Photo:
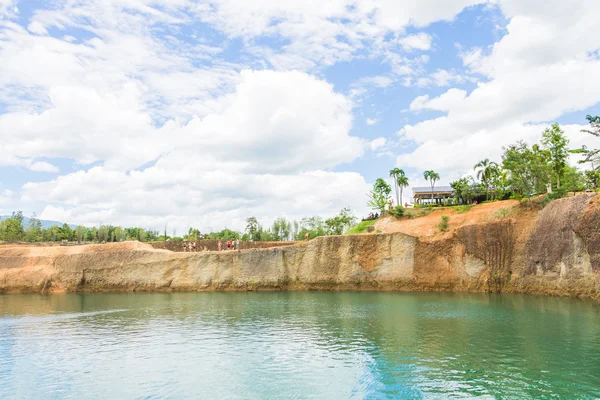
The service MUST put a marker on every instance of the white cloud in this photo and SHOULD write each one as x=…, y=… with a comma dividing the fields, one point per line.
x=442, y=103
x=377, y=143
x=544, y=67
x=420, y=41
x=323, y=33
x=371, y=121
x=263, y=154
x=42, y=166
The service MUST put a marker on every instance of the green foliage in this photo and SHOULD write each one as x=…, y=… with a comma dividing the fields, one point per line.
x=341, y=222
x=361, y=227
x=444, y=223
x=557, y=194
x=33, y=232
x=379, y=195
x=502, y=213
x=518, y=159
x=11, y=229
x=462, y=209
x=433, y=177
x=397, y=211
x=486, y=172
x=590, y=155
x=465, y=190
x=80, y=233
x=402, y=182
x=591, y=179
x=396, y=173
x=556, y=144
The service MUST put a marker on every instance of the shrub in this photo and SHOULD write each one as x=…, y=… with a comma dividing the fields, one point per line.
x=557, y=194
x=502, y=213
x=397, y=211
x=463, y=209
x=443, y=225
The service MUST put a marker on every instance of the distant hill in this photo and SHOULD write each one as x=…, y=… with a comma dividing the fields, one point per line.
x=45, y=223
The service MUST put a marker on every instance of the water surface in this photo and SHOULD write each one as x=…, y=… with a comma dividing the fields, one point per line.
x=298, y=345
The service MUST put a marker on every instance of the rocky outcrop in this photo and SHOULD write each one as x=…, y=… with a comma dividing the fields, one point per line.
x=557, y=251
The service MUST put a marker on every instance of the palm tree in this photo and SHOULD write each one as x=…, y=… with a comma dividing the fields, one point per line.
x=396, y=173
x=433, y=177
x=486, y=170
x=402, y=181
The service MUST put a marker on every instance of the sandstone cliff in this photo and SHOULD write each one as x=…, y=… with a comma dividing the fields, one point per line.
x=553, y=251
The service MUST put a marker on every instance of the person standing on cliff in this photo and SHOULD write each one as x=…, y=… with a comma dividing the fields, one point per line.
x=237, y=244
x=220, y=245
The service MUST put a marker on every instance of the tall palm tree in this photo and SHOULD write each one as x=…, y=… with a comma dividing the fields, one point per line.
x=433, y=177
x=402, y=181
x=396, y=173
x=486, y=170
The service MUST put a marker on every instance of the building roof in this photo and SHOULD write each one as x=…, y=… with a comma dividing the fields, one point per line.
x=436, y=189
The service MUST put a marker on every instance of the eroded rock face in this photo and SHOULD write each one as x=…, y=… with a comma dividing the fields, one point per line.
x=557, y=252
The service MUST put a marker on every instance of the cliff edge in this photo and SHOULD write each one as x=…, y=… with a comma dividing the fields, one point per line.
x=553, y=251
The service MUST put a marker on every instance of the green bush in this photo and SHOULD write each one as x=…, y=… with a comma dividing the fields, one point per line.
x=397, y=211
x=443, y=225
x=463, y=209
x=557, y=194
x=503, y=213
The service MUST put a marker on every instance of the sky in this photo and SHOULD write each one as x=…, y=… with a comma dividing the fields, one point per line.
x=205, y=112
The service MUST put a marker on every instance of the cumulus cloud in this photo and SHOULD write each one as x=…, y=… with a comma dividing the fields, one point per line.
x=535, y=74
x=377, y=143
x=264, y=154
x=42, y=166
x=420, y=41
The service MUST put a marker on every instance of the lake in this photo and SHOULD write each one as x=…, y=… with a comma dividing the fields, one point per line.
x=299, y=345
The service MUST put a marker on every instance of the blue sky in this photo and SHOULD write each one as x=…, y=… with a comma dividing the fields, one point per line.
x=204, y=112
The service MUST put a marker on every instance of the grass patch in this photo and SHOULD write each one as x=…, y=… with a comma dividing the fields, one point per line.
x=463, y=209
x=443, y=225
x=503, y=213
x=417, y=212
x=361, y=227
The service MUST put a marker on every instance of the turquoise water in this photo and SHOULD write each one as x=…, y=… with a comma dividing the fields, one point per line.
x=298, y=345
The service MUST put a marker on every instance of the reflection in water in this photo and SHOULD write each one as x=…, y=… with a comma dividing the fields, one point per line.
x=298, y=345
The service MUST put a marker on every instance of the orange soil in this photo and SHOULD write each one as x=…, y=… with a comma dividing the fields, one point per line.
x=427, y=226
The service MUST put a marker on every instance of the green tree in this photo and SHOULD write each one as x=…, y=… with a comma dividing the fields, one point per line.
x=395, y=174
x=65, y=233
x=281, y=229
x=518, y=159
x=33, y=232
x=340, y=223
x=80, y=233
x=590, y=156
x=253, y=228
x=402, y=182
x=103, y=234
x=573, y=179
x=433, y=177
x=379, y=195
x=193, y=234
x=11, y=228
x=486, y=171
x=592, y=177
x=556, y=144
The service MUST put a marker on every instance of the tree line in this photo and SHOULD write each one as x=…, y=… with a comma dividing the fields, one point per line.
x=13, y=229
x=523, y=171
